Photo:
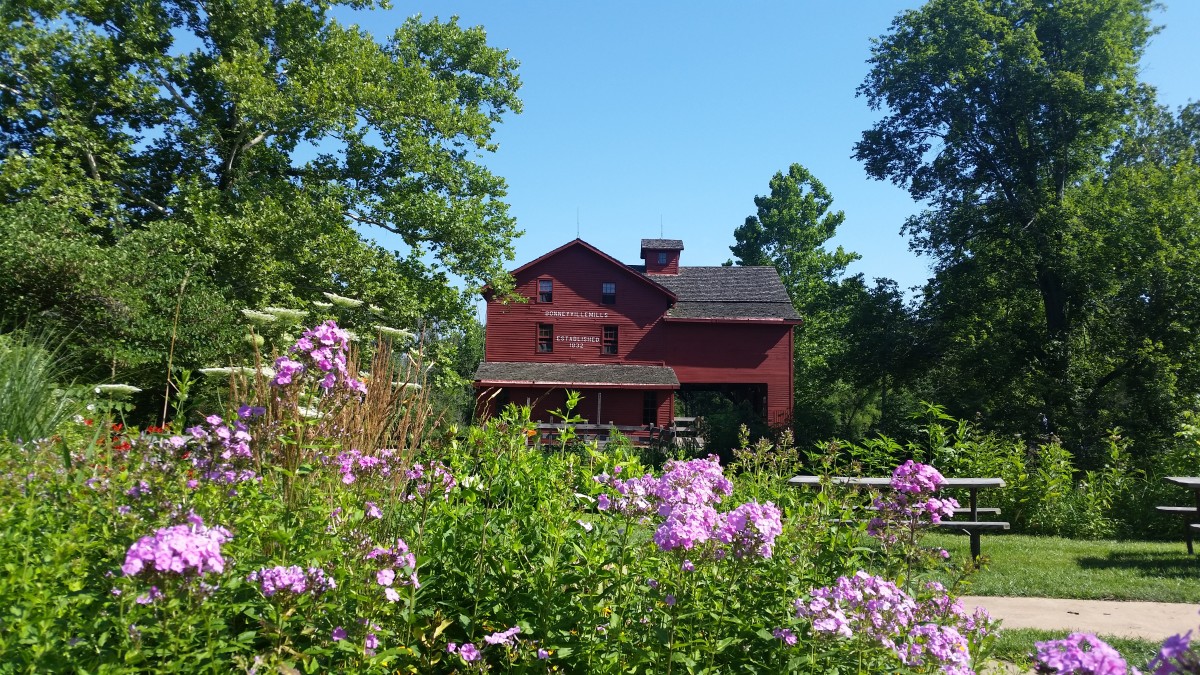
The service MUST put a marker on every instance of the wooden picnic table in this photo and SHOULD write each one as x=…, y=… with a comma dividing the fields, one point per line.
x=1190, y=513
x=972, y=485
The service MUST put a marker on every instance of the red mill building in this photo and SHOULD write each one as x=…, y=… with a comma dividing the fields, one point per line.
x=629, y=336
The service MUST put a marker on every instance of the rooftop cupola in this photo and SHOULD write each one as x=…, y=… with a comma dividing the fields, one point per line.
x=661, y=255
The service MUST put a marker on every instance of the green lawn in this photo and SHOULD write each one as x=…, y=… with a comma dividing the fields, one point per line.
x=1053, y=567
x=1015, y=645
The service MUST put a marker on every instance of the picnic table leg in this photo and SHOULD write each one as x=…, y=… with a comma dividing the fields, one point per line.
x=975, y=552
x=975, y=510
x=1187, y=523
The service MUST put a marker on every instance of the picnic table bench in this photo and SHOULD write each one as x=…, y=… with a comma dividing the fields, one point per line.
x=973, y=527
x=1190, y=514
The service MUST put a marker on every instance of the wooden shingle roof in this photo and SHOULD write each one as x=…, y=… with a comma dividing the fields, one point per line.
x=662, y=244
x=728, y=293
x=527, y=373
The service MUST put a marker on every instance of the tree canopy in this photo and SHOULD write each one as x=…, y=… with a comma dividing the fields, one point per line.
x=1061, y=206
x=239, y=153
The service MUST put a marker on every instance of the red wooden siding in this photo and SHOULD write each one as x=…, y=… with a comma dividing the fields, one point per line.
x=652, y=266
x=728, y=353
x=577, y=313
x=701, y=351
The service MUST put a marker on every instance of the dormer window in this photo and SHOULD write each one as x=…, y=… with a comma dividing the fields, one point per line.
x=545, y=290
x=662, y=257
x=608, y=293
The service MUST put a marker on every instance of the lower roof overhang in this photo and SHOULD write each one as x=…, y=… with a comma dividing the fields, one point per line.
x=735, y=320
x=579, y=375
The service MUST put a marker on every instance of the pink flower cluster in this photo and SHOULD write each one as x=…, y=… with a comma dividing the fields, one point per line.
x=931, y=632
x=751, y=528
x=390, y=558
x=220, y=450
x=684, y=497
x=292, y=579
x=912, y=502
x=1175, y=656
x=504, y=637
x=179, y=549
x=438, y=477
x=321, y=351
x=354, y=463
x=1079, y=654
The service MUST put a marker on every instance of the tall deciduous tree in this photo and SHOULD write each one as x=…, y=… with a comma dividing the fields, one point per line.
x=995, y=112
x=246, y=144
x=789, y=231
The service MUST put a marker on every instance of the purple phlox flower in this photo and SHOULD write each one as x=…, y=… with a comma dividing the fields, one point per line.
x=149, y=596
x=543, y=654
x=391, y=594
x=504, y=637
x=1166, y=662
x=687, y=566
x=179, y=549
x=469, y=652
x=339, y=633
x=292, y=579
x=397, y=556
x=788, y=637
x=373, y=510
x=321, y=350
x=652, y=583
x=669, y=600
x=750, y=529
x=286, y=371
x=941, y=645
x=139, y=489
x=247, y=412
x=585, y=525
x=686, y=527
x=221, y=451
x=1079, y=653
x=451, y=647
x=371, y=642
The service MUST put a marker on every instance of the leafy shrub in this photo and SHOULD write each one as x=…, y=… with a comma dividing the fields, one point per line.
x=297, y=550
x=33, y=374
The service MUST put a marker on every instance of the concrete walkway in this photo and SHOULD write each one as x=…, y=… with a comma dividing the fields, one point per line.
x=1154, y=621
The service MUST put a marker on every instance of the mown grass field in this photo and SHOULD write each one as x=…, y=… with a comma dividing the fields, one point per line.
x=1054, y=567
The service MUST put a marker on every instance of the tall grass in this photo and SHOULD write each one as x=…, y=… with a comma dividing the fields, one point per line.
x=33, y=402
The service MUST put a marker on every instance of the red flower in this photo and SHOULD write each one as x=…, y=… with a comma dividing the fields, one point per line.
x=87, y=423
x=117, y=427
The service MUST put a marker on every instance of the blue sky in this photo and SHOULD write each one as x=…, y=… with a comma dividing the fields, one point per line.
x=680, y=112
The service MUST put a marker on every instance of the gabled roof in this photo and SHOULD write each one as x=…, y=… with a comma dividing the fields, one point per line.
x=662, y=244
x=729, y=293
x=528, y=373
x=588, y=247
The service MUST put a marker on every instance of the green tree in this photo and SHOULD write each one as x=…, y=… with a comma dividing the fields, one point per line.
x=996, y=112
x=245, y=147
x=789, y=232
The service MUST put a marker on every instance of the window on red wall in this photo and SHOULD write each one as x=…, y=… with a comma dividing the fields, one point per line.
x=662, y=258
x=545, y=343
x=545, y=290
x=609, y=344
x=650, y=408
x=608, y=293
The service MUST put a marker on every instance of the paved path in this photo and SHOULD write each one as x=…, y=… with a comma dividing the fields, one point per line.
x=1154, y=621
